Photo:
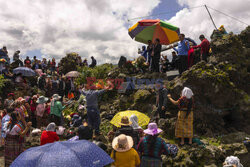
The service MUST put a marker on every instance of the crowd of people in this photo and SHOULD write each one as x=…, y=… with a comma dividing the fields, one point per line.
x=47, y=66
x=131, y=145
x=183, y=57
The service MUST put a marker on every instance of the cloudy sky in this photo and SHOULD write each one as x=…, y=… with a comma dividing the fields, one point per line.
x=98, y=28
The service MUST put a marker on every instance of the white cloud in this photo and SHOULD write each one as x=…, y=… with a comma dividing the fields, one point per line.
x=90, y=27
x=196, y=21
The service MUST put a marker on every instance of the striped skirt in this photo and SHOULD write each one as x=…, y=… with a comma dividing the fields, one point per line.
x=184, y=126
x=150, y=162
x=13, y=147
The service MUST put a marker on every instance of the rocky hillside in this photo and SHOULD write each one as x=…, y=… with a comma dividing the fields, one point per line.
x=222, y=101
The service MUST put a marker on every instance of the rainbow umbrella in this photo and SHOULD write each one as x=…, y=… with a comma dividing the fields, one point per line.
x=142, y=118
x=2, y=60
x=145, y=30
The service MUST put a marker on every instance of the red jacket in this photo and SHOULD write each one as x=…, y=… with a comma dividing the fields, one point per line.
x=48, y=137
x=205, y=46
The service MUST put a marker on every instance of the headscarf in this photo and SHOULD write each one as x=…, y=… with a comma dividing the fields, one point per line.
x=187, y=92
x=51, y=127
x=133, y=118
x=232, y=160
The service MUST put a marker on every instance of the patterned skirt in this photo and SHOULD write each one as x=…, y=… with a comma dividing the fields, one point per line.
x=13, y=147
x=150, y=162
x=184, y=126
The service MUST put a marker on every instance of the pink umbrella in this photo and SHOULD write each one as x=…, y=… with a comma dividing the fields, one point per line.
x=39, y=72
x=73, y=74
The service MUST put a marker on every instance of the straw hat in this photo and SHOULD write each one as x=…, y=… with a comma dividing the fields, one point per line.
x=125, y=121
x=122, y=143
x=42, y=100
x=56, y=97
x=152, y=129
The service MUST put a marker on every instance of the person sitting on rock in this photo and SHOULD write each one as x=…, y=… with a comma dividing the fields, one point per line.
x=123, y=154
x=49, y=135
x=232, y=161
x=184, y=124
x=93, y=63
x=128, y=130
x=16, y=59
x=151, y=147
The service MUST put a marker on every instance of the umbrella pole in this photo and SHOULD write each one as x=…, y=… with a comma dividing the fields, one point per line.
x=211, y=17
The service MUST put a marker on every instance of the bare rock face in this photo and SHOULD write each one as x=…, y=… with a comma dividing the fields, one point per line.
x=245, y=37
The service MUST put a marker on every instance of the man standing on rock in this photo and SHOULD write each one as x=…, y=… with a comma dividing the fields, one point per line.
x=183, y=47
x=205, y=46
x=93, y=113
x=161, y=99
x=156, y=55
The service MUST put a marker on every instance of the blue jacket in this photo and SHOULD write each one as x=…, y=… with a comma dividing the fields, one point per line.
x=92, y=97
x=182, y=48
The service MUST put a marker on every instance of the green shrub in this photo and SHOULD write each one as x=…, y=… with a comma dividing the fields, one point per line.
x=2, y=83
x=99, y=72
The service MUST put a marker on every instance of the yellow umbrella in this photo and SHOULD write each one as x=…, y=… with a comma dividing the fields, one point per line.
x=142, y=118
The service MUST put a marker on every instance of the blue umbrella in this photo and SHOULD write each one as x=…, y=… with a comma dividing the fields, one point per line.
x=81, y=153
x=25, y=71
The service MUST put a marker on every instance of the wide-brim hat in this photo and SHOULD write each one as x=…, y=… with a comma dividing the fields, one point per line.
x=152, y=129
x=20, y=99
x=56, y=97
x=42, y=100
x=125, y=141
x=125, y=121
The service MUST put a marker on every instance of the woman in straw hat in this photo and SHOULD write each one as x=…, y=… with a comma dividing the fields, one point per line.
x=128, y=130
x=56, y=109
x=123, y=153
x=151, y=147
x=184, y=124
x=40, y=109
